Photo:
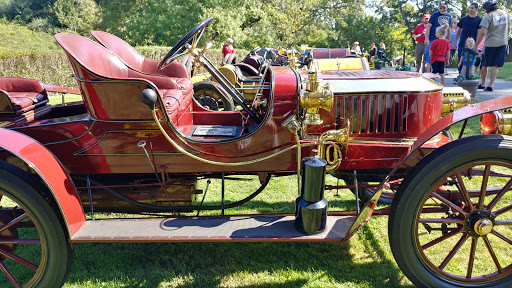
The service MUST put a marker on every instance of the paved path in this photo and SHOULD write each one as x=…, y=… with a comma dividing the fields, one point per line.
x=501, y=88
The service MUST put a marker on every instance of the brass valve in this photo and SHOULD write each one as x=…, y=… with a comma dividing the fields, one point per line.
x=317, y=95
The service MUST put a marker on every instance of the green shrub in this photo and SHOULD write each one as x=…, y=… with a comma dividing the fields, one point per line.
x=53, y=67
x=19, y=40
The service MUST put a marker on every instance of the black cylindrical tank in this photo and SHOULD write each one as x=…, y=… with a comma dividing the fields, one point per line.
x=311, y=206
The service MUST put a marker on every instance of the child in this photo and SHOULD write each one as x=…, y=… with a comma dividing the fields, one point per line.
x=479, y=59
x=440, y=52
x=470, y=43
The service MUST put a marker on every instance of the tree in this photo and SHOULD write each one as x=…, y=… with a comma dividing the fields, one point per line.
x=78, y=15
x=24, y=10
x=150, y=22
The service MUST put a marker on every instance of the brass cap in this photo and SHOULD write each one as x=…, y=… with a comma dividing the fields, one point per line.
x=483, y=226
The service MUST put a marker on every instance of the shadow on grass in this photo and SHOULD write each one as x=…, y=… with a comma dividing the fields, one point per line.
x=289, y=264
x=277, y=207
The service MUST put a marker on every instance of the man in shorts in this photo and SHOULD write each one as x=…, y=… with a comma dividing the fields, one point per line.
x=496, y=27
x=437, y=19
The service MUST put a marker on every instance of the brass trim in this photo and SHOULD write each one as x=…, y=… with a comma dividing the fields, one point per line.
x=483, y=227
x=385, y=85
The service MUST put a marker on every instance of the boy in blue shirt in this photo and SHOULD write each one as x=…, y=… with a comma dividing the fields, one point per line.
x=470, y=43
x=438, y=19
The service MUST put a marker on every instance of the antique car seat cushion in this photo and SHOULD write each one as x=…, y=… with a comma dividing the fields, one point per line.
x=246, y=68
x=134, y=60
x=322, y=53
x=253, y=61
x=241, y=77
x=102, y=62
x=175, y=101
x=21, y=93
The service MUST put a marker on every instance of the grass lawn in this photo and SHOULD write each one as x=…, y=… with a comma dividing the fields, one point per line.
x=505, y=72
x=365, y=261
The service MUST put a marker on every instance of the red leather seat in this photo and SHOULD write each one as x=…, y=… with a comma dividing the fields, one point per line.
x=323, y=53
x=102, y=74
x=176, y=70
x=19, y=95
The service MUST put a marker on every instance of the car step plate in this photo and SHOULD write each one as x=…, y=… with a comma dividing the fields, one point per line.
x=208, y=229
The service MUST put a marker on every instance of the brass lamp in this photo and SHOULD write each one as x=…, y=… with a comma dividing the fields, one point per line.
x=316, y=95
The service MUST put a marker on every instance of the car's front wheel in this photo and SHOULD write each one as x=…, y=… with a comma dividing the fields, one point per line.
x=34, y=248
x=451, y=219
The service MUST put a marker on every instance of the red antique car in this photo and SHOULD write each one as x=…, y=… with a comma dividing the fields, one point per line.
x=138, y=142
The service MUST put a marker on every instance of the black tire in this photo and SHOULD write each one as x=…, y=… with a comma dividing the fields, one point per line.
x=51, y=258
x=212, y=96
x=428, y=260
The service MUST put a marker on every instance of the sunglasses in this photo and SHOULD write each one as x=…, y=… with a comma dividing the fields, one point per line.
x=443, y=7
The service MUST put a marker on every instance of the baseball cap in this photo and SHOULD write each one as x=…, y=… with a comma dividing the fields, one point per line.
x=356, y=43
x=487, y=5
x=426, y=16
x=443, y=3
x=230, y=40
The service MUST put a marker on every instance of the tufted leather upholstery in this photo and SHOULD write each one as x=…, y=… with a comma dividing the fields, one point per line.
x=133, y=59
x=18, y=95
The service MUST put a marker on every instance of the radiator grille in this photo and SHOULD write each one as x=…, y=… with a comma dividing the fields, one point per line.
x=373, y=114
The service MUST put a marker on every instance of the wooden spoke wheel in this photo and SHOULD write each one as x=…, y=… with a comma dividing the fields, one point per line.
x=212, y=96
x=34, y=250
x=451, y=224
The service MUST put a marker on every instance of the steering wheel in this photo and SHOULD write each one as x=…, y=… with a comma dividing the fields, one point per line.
x=192, y=37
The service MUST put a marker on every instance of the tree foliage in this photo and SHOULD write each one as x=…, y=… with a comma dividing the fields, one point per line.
x=77, y=15
x=271, y=23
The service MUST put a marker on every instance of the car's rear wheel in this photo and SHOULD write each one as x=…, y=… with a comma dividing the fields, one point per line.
x=451, y=221
x=34, y=248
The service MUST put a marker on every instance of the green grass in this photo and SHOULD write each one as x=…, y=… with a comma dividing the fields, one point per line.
x=19, y=40
x=505, y=72
x=365, y=261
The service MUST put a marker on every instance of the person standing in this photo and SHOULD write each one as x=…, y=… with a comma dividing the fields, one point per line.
x=438, y=19
x=381, y=53
x=419, y=35
x=373, y=51
x=453, y=44
x=228, y=52
x=479, y=59
x=467, y=27
x=440, y=51
x=496, y=27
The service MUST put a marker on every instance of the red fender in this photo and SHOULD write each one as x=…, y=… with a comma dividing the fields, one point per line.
x=412, y=158
x=51, y=171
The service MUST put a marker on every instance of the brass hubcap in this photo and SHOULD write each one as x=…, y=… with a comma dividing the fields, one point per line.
x=483, y=226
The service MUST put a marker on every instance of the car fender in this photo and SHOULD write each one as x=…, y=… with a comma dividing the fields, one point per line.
x=51, y=171
x=413, y=157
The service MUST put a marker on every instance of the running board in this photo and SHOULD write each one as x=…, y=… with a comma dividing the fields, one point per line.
x=208, y=229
